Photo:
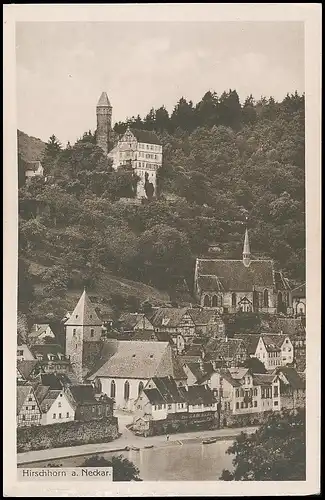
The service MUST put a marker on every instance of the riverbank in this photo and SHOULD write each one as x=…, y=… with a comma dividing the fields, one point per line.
x=129, y=440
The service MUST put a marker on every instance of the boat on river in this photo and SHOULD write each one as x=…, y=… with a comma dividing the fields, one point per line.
x=209, y=441
x=149, y=446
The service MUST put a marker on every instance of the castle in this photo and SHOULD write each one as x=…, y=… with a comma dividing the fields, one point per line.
x=140, y=149
x=246, y=285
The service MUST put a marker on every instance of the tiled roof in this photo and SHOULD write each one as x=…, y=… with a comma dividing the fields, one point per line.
x=273, y=342
x=83, y=393
x=46, y=350
x=38, y=329
x=84, y=313
x=198, y=394
x=146, y=136
x=154, y=396
x=292, y=376
x=168, y=389
x=222, y=348
x=26, y=367
x=169, y=317
x=250, y=341
x=299, y=292
x=22, y=392
x=134, y=359
x=130, y=320
x=288, y=326
x=201, y=317
x=147, y=335
x=238, y=373
x=263, y=379
x=233, y=275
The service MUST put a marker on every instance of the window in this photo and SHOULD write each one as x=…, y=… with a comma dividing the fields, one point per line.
x=60, y=415
x=74, y=331
x=237, y=393
x=255, y=392
x=59, y=404
x=26, y=408
x=255, y=404
x=93, y=409
x=233, y=299
x=54, y=416
x=68, y=414
x=33, y=407
x=92, y=332
x=214, y=301
x=206, y=301
x=76, y=315
x=169, y=407
x=275, y=403
x=126, y=390
x=20, y=353
x=30, y=398
x=276, y=391
x=242, y=404
x=159, y=407
x=140, y=388
x=266, y=298
x=23, y=417
x=237, y=406
x=91, y=316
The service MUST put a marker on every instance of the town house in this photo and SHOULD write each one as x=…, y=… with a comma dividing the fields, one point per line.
x=89, y=404
x=133, y=322
x=23, y=351
x=55, y=405
x=27, y=409
x=51, y=358
x=175, y=321
x=292, y=387
x=40, y=332
x=208, y=323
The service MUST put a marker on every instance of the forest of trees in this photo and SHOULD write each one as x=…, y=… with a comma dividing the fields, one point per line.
x=222, y=162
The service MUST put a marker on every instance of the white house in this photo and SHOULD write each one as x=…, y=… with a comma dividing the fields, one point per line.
x=123, y=374
x=23, y=352
x=56, y=406
x=33, y=169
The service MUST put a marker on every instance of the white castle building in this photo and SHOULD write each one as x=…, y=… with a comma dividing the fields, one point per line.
x=141, y=149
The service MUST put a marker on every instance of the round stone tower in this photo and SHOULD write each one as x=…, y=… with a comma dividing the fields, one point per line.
x=104, y=122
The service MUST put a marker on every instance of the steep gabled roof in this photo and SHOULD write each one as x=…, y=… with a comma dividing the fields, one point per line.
x=263, y=378
x=232, y=275
x=132, y=359
x=223, y=348
x=83, y=393
x=146, y=136
x=170, y=317
x=21, y=394
x=201, y=317
x=273, y=342
x=130, y=320
x=250, y=341
x=46, y=350
x=292, y=376
x=26, y=367
x=84, y=313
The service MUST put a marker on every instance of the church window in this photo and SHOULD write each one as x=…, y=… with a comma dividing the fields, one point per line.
x=140, y=387
x=126, y=390
x=92, y=332
x=214, y=301
x=206, y=301
x=266, y=298
x=113, y=389
x=220, y=297
x=233, y=299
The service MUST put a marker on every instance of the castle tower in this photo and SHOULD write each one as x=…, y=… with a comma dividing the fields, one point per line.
x=246, y=251
x=82, y=326
x=104, y=122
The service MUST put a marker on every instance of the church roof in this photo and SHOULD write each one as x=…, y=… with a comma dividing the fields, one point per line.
x=232, y=275
x=146, y=136
x=84, y=313
x=103, y=100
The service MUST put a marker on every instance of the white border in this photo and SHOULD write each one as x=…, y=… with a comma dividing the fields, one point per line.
x=311, y=15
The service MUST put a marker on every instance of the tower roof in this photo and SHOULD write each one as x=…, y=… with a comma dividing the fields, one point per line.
x=103, y=100
x=84, y=313
x=246, y=249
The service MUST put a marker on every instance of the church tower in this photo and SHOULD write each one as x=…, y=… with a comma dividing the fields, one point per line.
x=246, y=251
x=104, y=122
x=82, y=326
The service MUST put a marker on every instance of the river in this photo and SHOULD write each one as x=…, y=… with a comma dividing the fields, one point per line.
x=175, y=462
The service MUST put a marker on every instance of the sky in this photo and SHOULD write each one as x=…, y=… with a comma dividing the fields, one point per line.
x=62, y=68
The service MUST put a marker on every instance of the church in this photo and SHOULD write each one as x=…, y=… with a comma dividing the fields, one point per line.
x=247, y=285
x=141, y=149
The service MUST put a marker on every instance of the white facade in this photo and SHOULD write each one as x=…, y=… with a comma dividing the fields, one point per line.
x=24, y=353
x=36, y=170
x=61, y=410
x=145, y=159
x=116, y=388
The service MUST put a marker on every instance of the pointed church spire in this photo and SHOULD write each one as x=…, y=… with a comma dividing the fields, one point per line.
x=84, y=313
x=246, y=250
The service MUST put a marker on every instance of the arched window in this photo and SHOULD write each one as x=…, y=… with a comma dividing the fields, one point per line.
x=280, y=302
x=266, y=298
x=255, y=300
x=206, y=301
x=214, y=301
x=140, y=388
x=126, y=390
x=220, y=300
x=233, y=299
x=113, y=389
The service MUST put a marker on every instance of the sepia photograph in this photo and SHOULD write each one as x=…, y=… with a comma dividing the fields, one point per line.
x=161, y=312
